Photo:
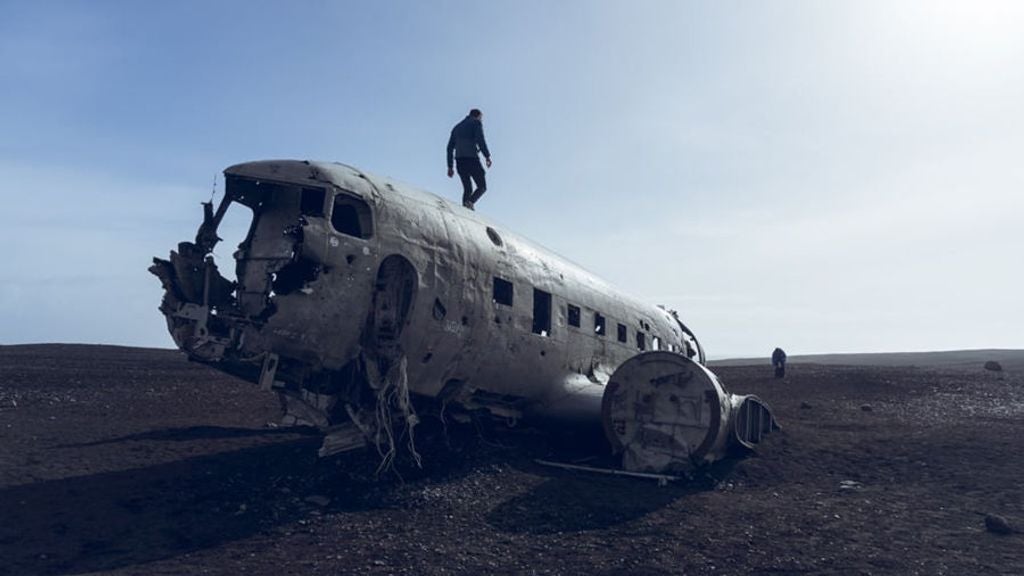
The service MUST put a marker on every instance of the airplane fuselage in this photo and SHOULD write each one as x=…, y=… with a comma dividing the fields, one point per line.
x=348, y=283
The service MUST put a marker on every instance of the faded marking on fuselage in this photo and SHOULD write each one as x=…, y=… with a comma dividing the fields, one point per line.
x=453, y=327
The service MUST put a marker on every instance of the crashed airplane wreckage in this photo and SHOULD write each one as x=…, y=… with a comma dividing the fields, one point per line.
x=361, y=301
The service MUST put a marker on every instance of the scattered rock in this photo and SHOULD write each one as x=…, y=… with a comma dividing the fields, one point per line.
x=866, y=407
x=724, y=486
x=318, y=500
x=993, y=366
x=998, y=525
x=850, y=485
x=805, y=406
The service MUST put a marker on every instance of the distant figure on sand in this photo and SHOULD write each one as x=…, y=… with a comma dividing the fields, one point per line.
x=779, y=361
x=464, y=145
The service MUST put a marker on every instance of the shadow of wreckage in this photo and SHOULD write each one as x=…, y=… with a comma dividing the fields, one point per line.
x=199, y=433
x=131, y=517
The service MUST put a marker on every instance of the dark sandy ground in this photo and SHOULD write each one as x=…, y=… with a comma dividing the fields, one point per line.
x=130, y=461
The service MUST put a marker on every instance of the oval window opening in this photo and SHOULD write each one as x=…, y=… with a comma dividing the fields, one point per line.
x=493, y=235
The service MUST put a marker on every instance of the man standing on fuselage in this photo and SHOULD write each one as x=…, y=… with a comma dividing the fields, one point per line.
x=466, y=140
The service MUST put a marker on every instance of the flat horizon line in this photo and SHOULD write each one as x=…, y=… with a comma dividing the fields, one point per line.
x=711, y=358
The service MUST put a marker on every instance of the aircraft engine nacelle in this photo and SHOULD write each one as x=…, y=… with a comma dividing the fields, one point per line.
x=666, y=413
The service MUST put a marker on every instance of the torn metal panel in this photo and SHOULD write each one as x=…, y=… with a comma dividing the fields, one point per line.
x=363, y=301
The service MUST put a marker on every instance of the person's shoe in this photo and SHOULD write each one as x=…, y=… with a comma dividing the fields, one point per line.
x=467, y=204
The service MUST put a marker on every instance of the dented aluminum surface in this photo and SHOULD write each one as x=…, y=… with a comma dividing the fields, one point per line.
x=363, y=301
x=664, y=412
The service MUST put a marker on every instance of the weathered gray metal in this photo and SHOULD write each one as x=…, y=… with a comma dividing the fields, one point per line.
x=360, y=299
x=665, y=412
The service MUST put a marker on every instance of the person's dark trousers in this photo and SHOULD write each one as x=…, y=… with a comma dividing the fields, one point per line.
x=471, y=169
x=780, y=370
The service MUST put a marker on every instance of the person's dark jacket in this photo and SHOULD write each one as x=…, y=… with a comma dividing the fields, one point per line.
x=778, y=357
x=467, y=137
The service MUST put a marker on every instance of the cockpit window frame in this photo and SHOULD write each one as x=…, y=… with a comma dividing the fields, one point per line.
x=362, y=211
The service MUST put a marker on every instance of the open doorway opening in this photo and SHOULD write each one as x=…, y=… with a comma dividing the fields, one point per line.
x=393, y=299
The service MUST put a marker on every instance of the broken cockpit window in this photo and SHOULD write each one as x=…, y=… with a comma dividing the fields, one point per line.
x=313, y=201
x=233, y=231
x=351, y=216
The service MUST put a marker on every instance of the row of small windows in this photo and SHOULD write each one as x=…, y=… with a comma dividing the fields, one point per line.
x=503, y=294
x=351, y=216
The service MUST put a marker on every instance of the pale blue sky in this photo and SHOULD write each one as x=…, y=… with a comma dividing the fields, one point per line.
x=824, y=176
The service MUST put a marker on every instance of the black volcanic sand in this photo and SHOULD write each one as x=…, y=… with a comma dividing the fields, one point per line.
x=129, y=461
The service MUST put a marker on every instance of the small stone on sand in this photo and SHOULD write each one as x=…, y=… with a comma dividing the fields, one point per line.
x=998, y=524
